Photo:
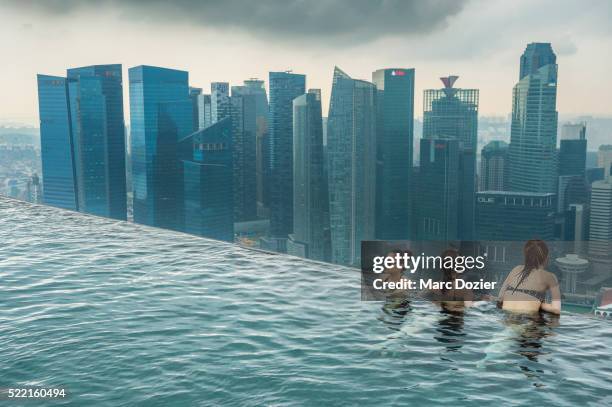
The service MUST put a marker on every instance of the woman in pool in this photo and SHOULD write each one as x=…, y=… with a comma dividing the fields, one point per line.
x=526, y=286
x=453, y=299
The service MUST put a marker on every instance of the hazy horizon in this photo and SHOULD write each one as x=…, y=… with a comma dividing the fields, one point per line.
x=477, y=40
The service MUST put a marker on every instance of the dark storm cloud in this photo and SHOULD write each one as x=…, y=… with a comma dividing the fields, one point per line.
x=357, y=20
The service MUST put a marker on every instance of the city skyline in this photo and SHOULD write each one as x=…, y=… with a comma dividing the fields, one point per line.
x=453, y=42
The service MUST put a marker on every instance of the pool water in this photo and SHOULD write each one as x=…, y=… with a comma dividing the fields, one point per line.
x=122, y=315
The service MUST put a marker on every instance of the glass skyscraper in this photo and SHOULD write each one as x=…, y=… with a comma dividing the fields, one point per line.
x=394, y=122
x=494, y=166
x=533, y=136
x=351, y=154
x=207, y=187
x=219, y=101
x=83, y=140
x=284, y=87
x=573, y=149
x=161, y=114
x=244, y=129
x=310, y=237
x=256, y=88
x=452, y=113
x=57, y=153
x=437, y=205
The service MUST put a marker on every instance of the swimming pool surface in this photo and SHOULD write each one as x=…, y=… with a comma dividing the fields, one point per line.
x=123, y=315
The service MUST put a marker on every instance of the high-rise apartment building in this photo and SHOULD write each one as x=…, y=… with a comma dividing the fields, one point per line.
x=220, y=106
x=395, y=126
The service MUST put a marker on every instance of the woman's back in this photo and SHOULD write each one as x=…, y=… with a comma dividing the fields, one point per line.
x=526, y=291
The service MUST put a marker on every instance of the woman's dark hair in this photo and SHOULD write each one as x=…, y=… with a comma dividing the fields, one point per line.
x=536, y=256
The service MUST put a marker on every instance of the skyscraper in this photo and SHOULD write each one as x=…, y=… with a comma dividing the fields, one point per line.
x=395, y=123
x=256, y=88
x=204, y=111
x=244, y=129
x=194, y=95
x=604, y=158
x=161, y=114
x=533, y=139
x=438, y=204
x=493, y=166
x=452, y=113
x=572, y=153
x=83, y=140
x=351, y=153
x=208, y=182
x=57, y=153
x=600, y=227
x=219, y=101
x=311, y=235
x=284, y=87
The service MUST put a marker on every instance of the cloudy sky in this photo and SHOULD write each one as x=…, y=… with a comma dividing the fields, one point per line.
x=232, y=40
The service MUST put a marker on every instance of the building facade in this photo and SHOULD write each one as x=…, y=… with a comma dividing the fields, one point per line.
x=311, y=234
x=452, y=113
x=161, y=114
x=351, y=159
x=533, y=135
x=515, y=216
x=83, y=140
x=208, y=182
x=394, y=136
x=493, y=166
x=284, y=87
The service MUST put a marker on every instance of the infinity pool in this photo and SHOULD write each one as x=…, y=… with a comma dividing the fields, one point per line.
x=121, y=314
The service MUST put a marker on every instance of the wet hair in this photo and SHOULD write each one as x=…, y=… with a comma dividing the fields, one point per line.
x=536, y=256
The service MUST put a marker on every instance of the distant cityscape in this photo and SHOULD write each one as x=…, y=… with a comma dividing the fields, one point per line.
x=267, y=169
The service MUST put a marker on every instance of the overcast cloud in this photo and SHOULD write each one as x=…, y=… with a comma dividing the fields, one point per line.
x=231, y=40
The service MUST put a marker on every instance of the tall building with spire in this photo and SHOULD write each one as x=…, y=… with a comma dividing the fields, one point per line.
x=395, y=127
x=351, y=154
x=533, y=136
x=452, y=113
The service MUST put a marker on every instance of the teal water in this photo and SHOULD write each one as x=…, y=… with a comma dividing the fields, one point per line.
x=124, y=315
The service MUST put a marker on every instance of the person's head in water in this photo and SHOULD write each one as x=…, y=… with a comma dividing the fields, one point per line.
x=536, y=257
x=536, y=254
x=449, y=273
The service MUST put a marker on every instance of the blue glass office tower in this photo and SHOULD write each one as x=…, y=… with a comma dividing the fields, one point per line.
x=533, y=135
x=310, y=237
x=207, y=186
x=284, y=87
x=161, y=114
x=452, y=113
x=351, y=154
x=83, y=140
x=395, y=122
x=59, y=179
